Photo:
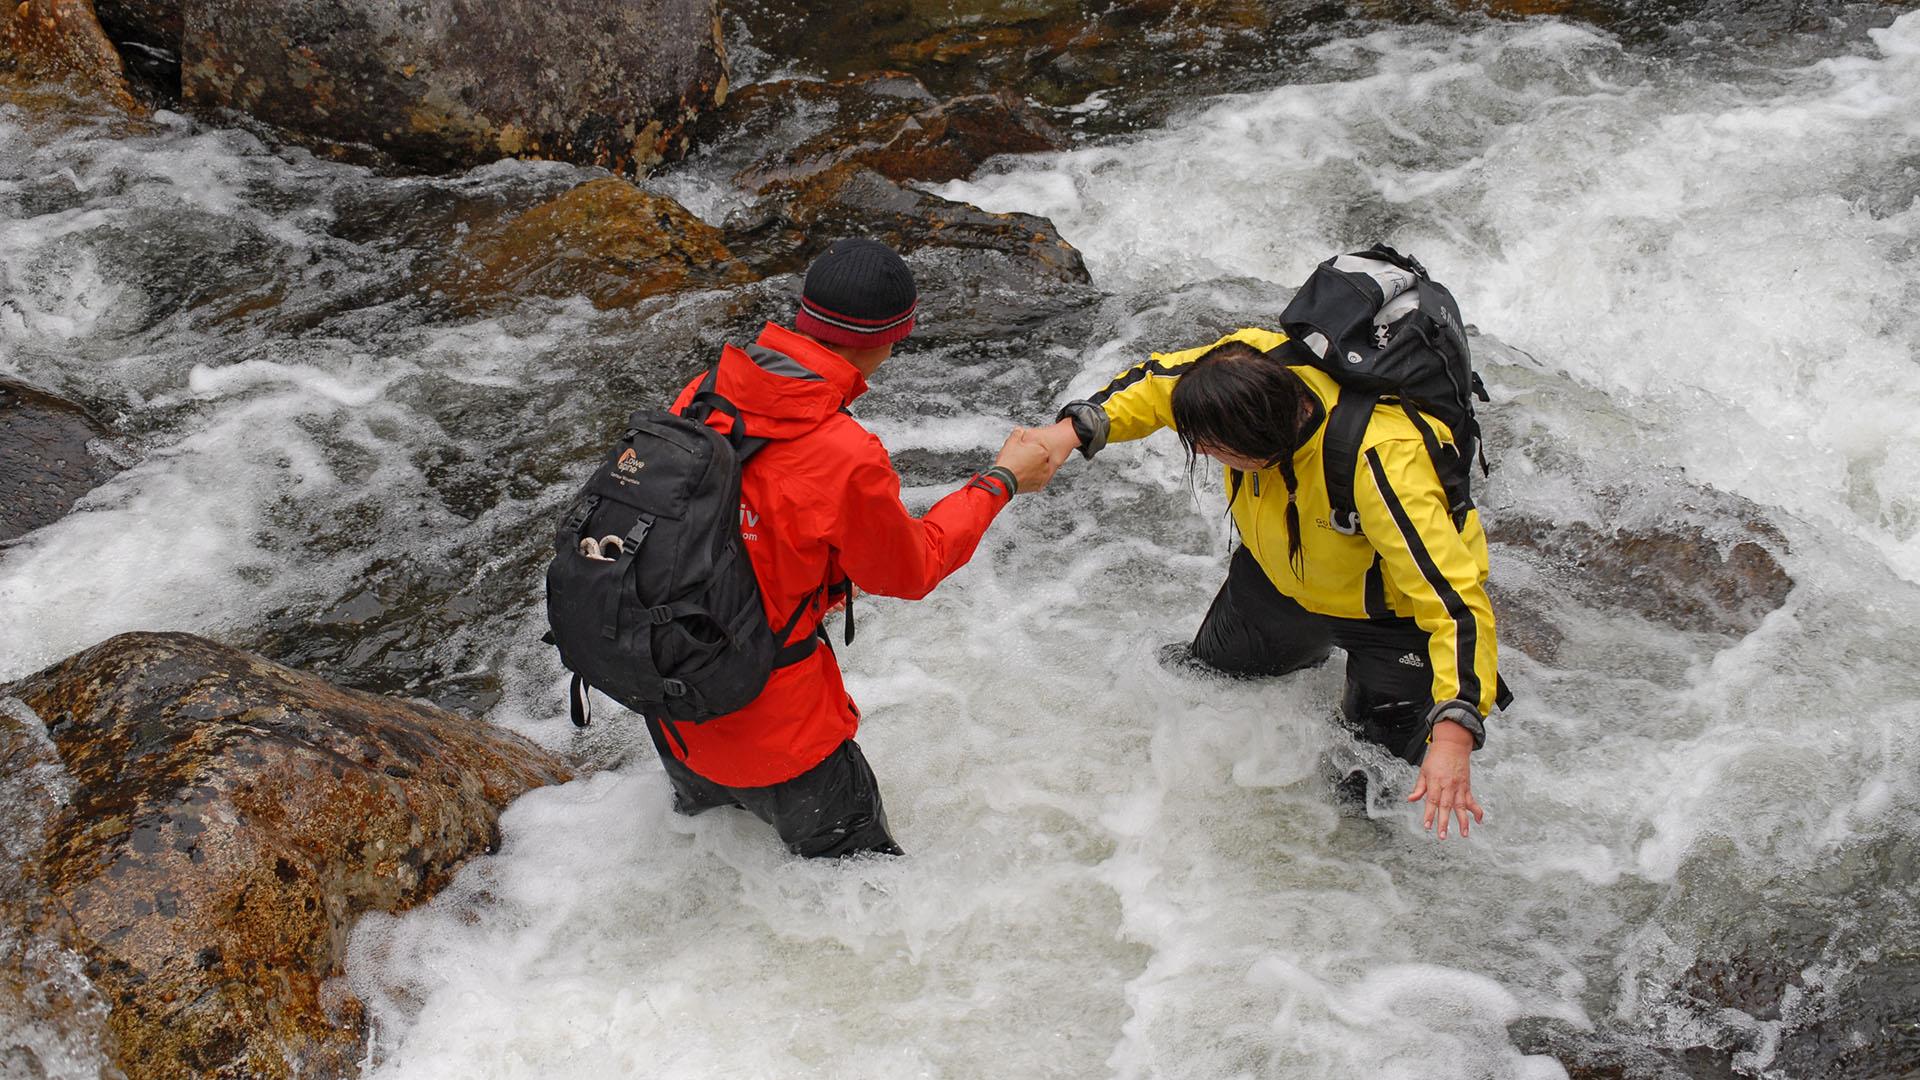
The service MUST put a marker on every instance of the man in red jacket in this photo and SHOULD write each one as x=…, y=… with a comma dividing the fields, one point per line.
x=821, y=515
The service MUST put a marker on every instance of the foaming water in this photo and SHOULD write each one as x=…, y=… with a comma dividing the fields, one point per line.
x=1682, y=277
x=1728, y=249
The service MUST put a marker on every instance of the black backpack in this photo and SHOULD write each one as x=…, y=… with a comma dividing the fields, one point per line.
x=650, y=596
x=1388, y=333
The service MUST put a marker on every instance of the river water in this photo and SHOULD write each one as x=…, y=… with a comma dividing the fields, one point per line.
x=1695, y=269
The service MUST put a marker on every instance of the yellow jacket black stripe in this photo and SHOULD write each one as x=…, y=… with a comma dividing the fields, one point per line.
x=1408, y=561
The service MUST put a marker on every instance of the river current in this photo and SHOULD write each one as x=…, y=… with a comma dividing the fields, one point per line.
x=1691, y=272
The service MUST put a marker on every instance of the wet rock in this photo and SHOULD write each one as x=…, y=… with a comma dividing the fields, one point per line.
x=455, y=83
x=1150, y=53
x=52, y=1020
x=606, y=240
x=890, y=123
x=228, y=821
x=850, y=200
x=148, y=34
x=157, y=24
x=1131, y=63
x=1720, y=579
x=1767, y=973
x=827, y=160
x=61, y=41
x=1619, y=1055
x=45, y=459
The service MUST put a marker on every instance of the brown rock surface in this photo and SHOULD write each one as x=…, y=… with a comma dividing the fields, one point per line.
x=61, y=41
x=606, y=240
x=228, y=821
x=890, y=123
x=45, y=461
x=1720, y=581
x=445, y=84
x=50, y=1016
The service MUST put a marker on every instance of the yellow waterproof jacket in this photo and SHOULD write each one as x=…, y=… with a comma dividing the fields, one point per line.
x=1408, y=561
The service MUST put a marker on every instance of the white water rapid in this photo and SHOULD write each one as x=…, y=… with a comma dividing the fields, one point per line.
x=1698, y=272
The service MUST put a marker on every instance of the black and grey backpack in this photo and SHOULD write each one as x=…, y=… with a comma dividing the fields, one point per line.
x=650, y=595
x=1388, y=334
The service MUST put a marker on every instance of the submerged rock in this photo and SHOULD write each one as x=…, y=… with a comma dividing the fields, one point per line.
x=61, y=41
x=455, y=83
x=1722, y=579
x=228, y=821
x=46, y=462
x=606, y=240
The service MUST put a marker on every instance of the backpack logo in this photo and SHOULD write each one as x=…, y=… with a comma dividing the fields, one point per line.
x=1413, y=660
x=630, y=462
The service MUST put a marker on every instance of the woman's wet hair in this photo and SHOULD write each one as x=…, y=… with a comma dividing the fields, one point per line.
x=1238, y=399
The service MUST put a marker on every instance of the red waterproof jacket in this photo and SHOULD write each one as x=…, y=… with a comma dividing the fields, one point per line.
x=819, y=505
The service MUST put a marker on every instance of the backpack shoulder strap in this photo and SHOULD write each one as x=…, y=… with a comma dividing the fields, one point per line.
x=1340, y=456
x=706, y=401
x=1455, y=474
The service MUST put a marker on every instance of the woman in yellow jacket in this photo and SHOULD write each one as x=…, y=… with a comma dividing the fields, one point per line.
x=1405, y=596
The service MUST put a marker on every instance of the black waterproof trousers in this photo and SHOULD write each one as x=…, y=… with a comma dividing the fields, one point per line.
x=829, y=811
x=1252, y=629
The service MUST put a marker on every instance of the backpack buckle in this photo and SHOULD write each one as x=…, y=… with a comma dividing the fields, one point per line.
x=674, y=687
x=582, y=510
x=636, y=536
x=660, y=616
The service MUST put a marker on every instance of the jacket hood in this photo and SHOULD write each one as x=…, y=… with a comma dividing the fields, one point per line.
x=784, y=384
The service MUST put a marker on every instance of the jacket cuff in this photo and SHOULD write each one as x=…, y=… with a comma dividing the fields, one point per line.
x=1090, y=424
x=1462, y=713
x=998, y=481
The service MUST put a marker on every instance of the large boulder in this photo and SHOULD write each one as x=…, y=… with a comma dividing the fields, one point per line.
x=61, y=41
x=444, y=84
x=225, y=821
x=47, y=457
x=605, y=240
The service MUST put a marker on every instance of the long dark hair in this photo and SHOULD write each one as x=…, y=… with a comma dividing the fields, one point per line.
x=1244, y=401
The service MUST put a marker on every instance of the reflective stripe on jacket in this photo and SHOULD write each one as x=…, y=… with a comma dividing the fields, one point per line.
x=1408, y=561
x=818, y=505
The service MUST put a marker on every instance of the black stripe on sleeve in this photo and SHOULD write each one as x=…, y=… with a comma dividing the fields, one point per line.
x=1465, y=632
x=1130, y=376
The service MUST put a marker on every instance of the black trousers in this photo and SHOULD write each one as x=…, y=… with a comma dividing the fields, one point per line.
x=829, y=811
x=1252, y=629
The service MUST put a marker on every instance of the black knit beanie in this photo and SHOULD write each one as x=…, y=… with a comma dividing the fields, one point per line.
x=859, y=293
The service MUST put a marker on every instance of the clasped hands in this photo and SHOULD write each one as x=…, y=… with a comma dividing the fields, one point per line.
x=1033, y=455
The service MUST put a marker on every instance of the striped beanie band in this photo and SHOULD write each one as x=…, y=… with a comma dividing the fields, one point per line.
x=858, y=293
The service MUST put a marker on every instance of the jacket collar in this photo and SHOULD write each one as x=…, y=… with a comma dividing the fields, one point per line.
x=817, y=358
